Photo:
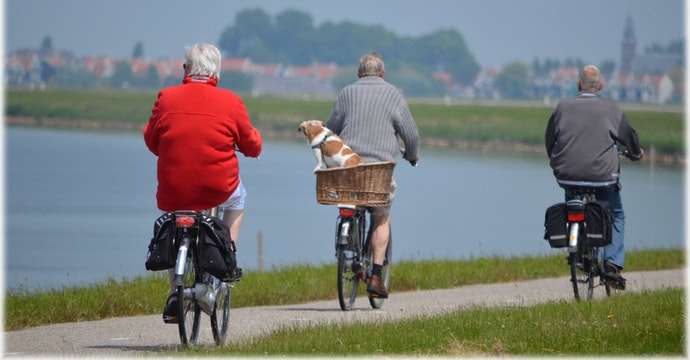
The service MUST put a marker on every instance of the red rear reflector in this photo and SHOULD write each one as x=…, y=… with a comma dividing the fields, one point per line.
x=576, y=217
x=347, y=212
x=184, y=221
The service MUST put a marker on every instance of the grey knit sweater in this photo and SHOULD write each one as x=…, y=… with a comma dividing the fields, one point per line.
x=370, y=115
x=580, y=139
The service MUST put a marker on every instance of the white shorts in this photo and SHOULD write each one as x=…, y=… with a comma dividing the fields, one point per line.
x=236, y=199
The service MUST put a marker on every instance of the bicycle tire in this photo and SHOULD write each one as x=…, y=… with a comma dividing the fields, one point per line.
x=189, y=311
x=376, y=302
x=348, y=254
x=582, y=272
x=221, y=314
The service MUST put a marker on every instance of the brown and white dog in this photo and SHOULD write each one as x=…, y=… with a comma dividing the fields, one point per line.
x=328, y=147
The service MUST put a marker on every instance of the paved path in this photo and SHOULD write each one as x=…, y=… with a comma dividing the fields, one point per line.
x=147, y=335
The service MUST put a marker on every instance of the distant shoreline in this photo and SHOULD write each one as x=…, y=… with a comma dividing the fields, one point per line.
x=497, y=145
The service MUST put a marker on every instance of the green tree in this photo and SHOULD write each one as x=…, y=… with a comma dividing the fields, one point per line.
x=46, y=45
x=293, y=40
x=138, y=51
x=236, y=81
x=249, y=37
x=122, y=75
x=153, y=79
x=446, y=50
x=295, y=48
x=513, y=81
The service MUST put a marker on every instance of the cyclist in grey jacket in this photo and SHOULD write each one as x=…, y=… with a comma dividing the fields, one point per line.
x=580, y=140
x=371, y=115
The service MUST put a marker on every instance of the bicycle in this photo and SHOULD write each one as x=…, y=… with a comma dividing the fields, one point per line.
x=355, y=255
x=567, y=226
x=197, y=290
x=354, y=190
x=585, y=260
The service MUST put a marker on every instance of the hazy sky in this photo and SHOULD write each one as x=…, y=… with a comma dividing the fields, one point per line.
x=496, y=31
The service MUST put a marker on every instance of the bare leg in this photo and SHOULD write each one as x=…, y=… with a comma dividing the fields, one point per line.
x=233, y=218
x=379, y=237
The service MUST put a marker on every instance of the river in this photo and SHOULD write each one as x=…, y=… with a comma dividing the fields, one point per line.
x=80, y=207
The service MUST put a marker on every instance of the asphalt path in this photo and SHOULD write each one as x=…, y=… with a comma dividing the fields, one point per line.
x=146, y=336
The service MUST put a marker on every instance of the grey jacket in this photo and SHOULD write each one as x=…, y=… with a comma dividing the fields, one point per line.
x=580, y=140
x=370, y=115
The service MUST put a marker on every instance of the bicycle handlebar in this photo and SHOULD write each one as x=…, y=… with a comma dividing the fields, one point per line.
x=414, y=163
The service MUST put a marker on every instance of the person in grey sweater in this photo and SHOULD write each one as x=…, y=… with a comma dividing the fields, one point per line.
x=372, y=116
x=580, y=140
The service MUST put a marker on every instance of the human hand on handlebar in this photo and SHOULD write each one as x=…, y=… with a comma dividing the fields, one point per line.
x=627, y=154
x=412, y=162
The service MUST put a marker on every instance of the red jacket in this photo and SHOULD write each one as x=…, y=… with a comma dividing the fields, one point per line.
x=194, y=129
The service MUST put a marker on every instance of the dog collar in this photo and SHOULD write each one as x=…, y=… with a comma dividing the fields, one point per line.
x=320, y=144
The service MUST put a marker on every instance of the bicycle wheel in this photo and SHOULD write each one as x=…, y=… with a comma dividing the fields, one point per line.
x=189, y=311
x=221, y=314
x=348, y=255
x=582, y=272
x=376, y=302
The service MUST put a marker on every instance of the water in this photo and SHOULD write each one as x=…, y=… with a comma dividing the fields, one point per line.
x=80, y=207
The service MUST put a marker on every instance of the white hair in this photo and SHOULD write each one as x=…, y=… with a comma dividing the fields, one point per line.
x=204, y=60
x=371, y=65
x=590, y=78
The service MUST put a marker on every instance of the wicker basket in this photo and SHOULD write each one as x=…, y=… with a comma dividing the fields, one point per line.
x=363, y=185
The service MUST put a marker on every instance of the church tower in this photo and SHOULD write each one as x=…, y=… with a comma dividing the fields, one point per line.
x=628, y=48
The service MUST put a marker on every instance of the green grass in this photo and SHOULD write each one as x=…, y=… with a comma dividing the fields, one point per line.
x=639, y=324
x=288, y=285
x=519, y=123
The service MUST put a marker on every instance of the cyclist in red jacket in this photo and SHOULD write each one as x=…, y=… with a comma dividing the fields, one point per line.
x=195, y=129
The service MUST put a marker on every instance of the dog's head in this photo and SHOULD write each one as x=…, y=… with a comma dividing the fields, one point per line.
x=311, y=128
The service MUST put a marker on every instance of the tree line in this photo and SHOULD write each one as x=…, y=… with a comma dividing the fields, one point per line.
x=292, y=38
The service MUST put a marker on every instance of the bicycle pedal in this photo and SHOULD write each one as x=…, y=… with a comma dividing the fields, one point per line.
x=170, y=319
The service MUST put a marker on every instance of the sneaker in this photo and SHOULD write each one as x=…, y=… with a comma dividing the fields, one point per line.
x=236, y=275
x=376, y=288
x=170, y=311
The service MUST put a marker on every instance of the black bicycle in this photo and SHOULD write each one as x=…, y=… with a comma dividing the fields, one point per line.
x=355, y=190
x=586, y=247
x=198, y=291
x=355, y=255
x=584, y=226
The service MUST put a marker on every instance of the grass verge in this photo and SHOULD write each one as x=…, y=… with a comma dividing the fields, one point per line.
x=639, y=324
x=290, y=285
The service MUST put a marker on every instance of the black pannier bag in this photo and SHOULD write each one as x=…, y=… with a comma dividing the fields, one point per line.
x=217, y=249
x=556, y=225
x=161, y=249
x=598, y=223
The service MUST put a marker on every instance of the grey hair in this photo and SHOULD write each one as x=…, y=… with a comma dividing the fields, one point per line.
x=371, y=65
x=590, y=78
x=204, y=60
